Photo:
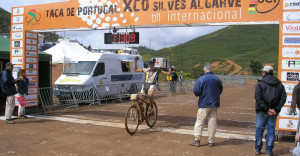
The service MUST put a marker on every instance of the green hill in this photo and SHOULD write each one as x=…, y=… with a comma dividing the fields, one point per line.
x=240, y=44
x=4, y=21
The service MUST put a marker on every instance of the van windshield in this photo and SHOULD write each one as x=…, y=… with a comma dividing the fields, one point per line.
x=80, y=67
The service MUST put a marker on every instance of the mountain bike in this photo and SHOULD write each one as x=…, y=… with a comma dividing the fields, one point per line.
x=141, y=109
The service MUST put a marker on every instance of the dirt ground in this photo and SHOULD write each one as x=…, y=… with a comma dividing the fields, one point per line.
x=100, y=130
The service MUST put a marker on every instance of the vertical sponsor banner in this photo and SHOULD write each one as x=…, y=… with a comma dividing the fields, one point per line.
x=31, y=66
x=289, y=61
x=24, y=50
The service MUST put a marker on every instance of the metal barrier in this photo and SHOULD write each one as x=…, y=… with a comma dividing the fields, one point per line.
x=53, y=96
x=85, y=94
x=71, y=96
x=64, y=95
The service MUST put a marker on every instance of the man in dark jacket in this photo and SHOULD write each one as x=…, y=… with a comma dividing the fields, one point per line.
x=208, y=88
x=9, y=89
x=174, y=81
x=270, y=96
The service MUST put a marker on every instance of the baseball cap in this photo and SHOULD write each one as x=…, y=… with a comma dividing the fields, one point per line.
x=267, y=68
x=8, y=64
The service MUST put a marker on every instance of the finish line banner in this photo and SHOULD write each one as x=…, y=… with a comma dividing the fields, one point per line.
x=103, y=14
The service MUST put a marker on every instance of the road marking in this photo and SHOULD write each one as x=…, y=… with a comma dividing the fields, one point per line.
x=237, y=113
x=142, y=127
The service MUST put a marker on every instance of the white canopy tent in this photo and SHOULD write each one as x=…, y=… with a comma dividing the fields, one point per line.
x=65, y=51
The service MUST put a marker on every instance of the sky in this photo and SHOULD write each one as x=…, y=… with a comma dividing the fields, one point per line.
x=154, y=38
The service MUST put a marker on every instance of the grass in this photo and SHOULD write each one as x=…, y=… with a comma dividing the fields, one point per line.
x=240, y=44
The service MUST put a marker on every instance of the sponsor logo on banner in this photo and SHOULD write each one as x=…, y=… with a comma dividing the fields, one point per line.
x=31, y=97
x=31, y=35
x=31, y=41
x=32, y=84
x=31, y=103
x=31, y=90
x=288, y=101
x=291, y=28
x=18, y=11
x=291, y=40
x=292, y=76
x=290, y=52
x=288, y=124
x=33, y=17
x=16, y=70
x=17, y=36
x=30, y=60
x=286, y=112
x=31, y=54
x=291, y=16
x=30, y=72
x=17, y=60
x=31, y=47
x=17, y=27
x=18, y=19
x=30, y=66
x=289, y=87
x=17, y=52
x=17, y=44
x=257, y=6
x=31, y=78
x=291, y=4
x=291, y=64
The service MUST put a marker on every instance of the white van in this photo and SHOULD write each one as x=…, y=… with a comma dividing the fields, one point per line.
x=110, y=74
x=100, y=69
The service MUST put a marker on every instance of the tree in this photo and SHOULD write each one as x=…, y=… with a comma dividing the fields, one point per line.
x=255, y=66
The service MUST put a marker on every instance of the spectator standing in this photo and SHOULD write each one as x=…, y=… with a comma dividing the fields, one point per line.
x=296, y=150
x=270, y=96
x=9, y=89
x=295, y=98
x=174, y=81
x=170, y=84
x=208, y=88
x=22, y=90
x=180, y=80
x=296, y=102
x=157, y=82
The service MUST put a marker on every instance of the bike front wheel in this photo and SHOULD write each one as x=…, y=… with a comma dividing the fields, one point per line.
x=132, y=120
x=151, y=112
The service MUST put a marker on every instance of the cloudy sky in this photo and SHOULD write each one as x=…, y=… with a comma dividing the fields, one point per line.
x=156, y=38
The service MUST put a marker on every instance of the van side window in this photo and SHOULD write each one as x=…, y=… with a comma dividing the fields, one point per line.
x=125, y=66
x=100, y=69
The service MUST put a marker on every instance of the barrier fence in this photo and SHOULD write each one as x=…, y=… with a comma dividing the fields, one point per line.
x=71, y=96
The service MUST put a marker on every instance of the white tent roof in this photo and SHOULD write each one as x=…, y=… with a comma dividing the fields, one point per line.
x=66, y=51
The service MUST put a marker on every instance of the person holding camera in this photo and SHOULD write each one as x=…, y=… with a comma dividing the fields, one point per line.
x=9, y=90
x=151, y=75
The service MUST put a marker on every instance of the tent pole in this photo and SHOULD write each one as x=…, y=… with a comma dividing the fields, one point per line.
x=51, y=73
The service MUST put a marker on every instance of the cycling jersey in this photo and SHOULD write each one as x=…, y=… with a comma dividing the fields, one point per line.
x=151, y=75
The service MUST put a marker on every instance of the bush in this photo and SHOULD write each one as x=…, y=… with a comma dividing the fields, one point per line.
x=255, y=66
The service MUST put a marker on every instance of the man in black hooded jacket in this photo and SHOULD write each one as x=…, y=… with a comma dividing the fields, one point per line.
x=270, y=97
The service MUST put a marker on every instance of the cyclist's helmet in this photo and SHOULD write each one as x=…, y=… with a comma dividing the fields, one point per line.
x=151, y=61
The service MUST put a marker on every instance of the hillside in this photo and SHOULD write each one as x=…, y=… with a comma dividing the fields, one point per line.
x=5, y=27
x=231, y=49
x=4, y=21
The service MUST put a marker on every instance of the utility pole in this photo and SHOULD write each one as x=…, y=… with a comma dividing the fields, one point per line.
x=150, y=45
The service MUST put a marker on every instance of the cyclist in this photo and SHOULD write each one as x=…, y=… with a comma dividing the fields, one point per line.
x=150, y=77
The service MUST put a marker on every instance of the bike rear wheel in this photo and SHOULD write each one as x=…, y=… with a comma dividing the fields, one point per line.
x=132, y=120
x=151, y=112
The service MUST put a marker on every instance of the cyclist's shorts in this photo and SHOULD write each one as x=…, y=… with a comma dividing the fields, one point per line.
x=146, y=87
